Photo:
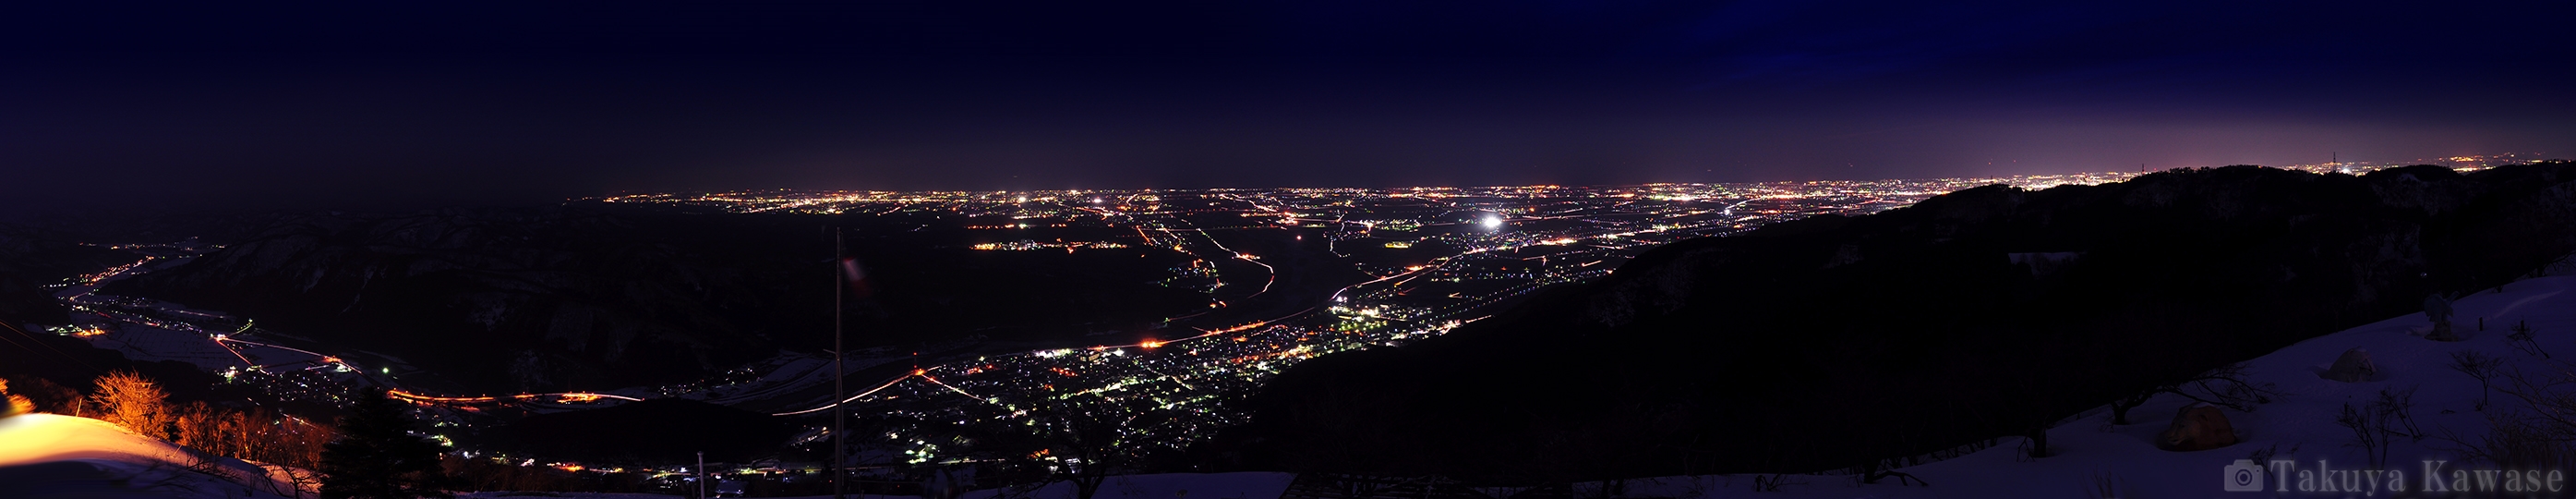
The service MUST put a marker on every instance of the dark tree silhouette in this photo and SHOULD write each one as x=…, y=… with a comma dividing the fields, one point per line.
x=2377, y=424
x=2481, y=366
x=376, y=455
x=2224, y=387
x=1089, y=443
x=2520, y=339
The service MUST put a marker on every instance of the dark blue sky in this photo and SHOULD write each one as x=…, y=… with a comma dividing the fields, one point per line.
x=204, y=104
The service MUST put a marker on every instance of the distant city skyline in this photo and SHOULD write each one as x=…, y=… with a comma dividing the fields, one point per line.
x=2464, y=163
x=186, y=107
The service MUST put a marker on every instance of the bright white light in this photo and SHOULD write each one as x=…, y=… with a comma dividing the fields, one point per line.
x=1492, y=222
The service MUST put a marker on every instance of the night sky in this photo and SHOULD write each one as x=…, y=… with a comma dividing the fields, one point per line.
x=210, y=104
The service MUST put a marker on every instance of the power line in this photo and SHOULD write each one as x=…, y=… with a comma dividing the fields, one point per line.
x=40, y=342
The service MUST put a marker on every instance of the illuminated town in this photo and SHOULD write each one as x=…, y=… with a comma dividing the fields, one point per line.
x=1412, y=263
x=1293, y=250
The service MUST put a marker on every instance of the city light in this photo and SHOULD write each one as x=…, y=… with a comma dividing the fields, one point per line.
x=1417, y=270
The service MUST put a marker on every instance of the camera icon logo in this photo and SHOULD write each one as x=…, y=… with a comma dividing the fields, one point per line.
x=2244, y=476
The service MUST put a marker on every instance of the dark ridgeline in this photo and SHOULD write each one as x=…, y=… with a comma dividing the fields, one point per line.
x=31, y=258
x=497, y=300
x=1830, y=342
x=378, y=455
x=649, y=433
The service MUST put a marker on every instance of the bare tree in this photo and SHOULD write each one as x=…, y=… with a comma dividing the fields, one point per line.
x=186, y=478
x=1881, y=469
x=211, y=433
x=200, y=426
x=2224, y=387
x=1090, y=442
x=2520, y=339
x=1772, y=482
x=2120, y=408
x=132, y=401
x=295, y=446
x=2540, y=436
x=2108, y=485
x=2037, y=438
x=2377, y=424
x=2480, y=366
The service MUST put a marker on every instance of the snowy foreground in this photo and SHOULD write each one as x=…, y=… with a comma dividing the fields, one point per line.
x=1249, y=485
x=49, y=455
x=46, y=455
x=2090, y=452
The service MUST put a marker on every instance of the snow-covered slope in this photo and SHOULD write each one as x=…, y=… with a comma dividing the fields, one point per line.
x=2301, y=427
x=51, y=455
x=1247, y=485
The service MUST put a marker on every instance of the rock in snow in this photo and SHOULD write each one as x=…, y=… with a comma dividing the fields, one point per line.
x=2353, y=367
x=2197, y=427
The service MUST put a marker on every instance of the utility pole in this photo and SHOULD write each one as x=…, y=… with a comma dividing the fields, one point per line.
x=702, y=474
x=839, y=261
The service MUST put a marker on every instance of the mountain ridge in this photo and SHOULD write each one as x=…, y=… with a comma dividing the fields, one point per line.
x=1822, y=331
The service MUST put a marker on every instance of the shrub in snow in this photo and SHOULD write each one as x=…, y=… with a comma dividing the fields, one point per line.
x=2107, y=485
x=2197, y=427
x=2480, y=366
x=2353, y=367
x=2521, y=339
x=2224, y=387
x=2536, y=436
x=2375, y=425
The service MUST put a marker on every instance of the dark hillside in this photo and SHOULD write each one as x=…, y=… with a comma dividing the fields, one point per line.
x=651, y=432
x=592, y=296
x=1827, y=342
x=31, y=259
x=44, y=359
x=496, y=299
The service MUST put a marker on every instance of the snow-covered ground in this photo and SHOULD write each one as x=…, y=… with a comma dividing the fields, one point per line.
x=147, y=343
x=1248, y=485
x=580, y=495
x=1244, y=485
x=2300, y=427
x=50, y=455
